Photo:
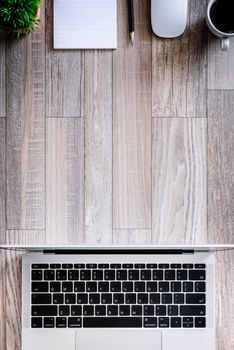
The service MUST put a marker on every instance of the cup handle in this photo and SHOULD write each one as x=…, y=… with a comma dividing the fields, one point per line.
x=224, y=44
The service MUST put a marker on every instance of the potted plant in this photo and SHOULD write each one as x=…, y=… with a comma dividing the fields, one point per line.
x=20, y=16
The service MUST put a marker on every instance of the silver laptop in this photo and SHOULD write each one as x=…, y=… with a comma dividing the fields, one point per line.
x=118, y=297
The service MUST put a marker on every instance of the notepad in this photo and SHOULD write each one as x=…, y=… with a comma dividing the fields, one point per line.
x=85, y=24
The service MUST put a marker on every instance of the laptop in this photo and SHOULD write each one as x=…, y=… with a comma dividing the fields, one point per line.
x=118, y=297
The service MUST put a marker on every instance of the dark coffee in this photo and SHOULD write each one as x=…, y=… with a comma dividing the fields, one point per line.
x=222, y=15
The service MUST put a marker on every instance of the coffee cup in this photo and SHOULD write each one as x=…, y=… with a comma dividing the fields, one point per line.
x=220, y=20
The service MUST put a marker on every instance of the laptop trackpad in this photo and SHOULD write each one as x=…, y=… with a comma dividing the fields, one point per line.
x=118, y=339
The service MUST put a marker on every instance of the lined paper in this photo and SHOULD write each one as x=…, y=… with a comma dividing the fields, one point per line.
x=85, y=24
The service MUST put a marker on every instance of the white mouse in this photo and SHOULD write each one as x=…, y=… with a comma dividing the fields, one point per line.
x=169, y=17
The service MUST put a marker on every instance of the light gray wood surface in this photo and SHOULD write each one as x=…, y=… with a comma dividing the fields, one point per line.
x=2, y=180
x=2, y=75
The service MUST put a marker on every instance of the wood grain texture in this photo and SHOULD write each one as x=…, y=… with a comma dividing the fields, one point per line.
x=65, y=180
x=98, y=147
x=64, y=76
x=224, y=300
x=220, y=65
x=179, y=181
x=25, y=132
x=220, y=166
x=2, y=181
x=179, y=69
x=2, y=76
x=2, y=299
x=132, y=124
x=132, y=237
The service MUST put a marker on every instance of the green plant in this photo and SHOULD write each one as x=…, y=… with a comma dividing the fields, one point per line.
x=19, y=16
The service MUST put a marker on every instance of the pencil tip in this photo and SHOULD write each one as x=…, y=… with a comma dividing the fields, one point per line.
x=132, y=37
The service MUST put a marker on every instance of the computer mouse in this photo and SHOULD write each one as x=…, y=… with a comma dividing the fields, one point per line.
x=169, y=17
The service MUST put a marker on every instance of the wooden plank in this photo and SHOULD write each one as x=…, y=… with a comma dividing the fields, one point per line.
x=25, y=132
x=220, y=166
x=98, y=147
x=132, y=125
x=2, y=299
x=64, y=76
x=224, y=300
x=179, y=69
x=220, y=65
x=65, y=180
x=132, y=237
x=2, y=181
x=179, y=181
x=2, y=75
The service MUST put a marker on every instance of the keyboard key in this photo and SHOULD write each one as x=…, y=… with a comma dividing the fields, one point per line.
x=61, y=275
x=112, y=322
x=76, y=310
x=151, y=287
x=49, y=275
x=200, y=287
x=104, y=286
x=58, y=298
x=61, y=322
x=133, y=275
x=91, y=266
x=115, y=287
x=85, y=275
x=163, y=266
x=79, y=287
x=94, y=298
x=55, y=287
x=139, y=266
x=36, y=275
x=163, y=286
x=97, y=275
x=127, y=286
x=88, y=310
x=36, y=322
x=192, y=310
x=160, y=310
x=118, y=298
x=154, y=298
x=172, y=310
x=112, y=310
x=49, y=322
x=200, y=322
x=148, y=310
x=91, y=287
x=142, y=298
x=67, y=266
x=163, y=322
x=82, y=298
x=103, y=266
x=100, y=310
x=158, y=275
x=187, y=287
x=40, y=266
x=41, y=298
x=40, y=287
x=106, y=298
x=187, y=325
x=169, y=275
x=200, y=266
x=44, y=310
x=73, y=275
x=79, y=266
x=139, y=287
x=145, y=275
x=175, y=322
x=109, y=275
x=175, y=287
x=74, y=322
x=136, y=310
x=70, y=298
x=67, y=287
x=187, y=266
x=176, y=266
x=166, y=298
x=64, y=310
x=130, y=298
x=115, y=266
x=127, y=266
x=197, y=274
x=124, y=310
x=178, y=298
x=182, y=275
x=151, y=266
x=150, y=322
x=121, y=275
x=55, y=266
x=187, y=319
x=195, y=298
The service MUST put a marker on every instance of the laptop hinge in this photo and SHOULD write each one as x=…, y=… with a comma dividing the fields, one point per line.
x=119, y=251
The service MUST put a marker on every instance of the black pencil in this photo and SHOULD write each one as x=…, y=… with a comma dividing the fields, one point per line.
x=131, y=23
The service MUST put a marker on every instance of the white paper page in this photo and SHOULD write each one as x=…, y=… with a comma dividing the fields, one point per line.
x=85, y=24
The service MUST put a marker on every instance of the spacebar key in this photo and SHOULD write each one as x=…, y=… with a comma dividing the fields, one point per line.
x=112, y=322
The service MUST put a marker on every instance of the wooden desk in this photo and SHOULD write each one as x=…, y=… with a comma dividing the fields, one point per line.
x=127, y=146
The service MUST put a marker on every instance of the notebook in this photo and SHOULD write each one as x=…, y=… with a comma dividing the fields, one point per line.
x=85, y=24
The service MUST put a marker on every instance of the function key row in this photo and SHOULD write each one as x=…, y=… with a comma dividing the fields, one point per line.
x=118, y=266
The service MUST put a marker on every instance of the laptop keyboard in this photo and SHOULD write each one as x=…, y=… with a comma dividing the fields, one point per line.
x=118, y=295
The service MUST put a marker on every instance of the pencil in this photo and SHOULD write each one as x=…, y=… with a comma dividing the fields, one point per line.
x=131, y=23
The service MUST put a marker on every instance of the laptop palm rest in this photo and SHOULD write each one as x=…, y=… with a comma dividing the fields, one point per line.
x=116, y=339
